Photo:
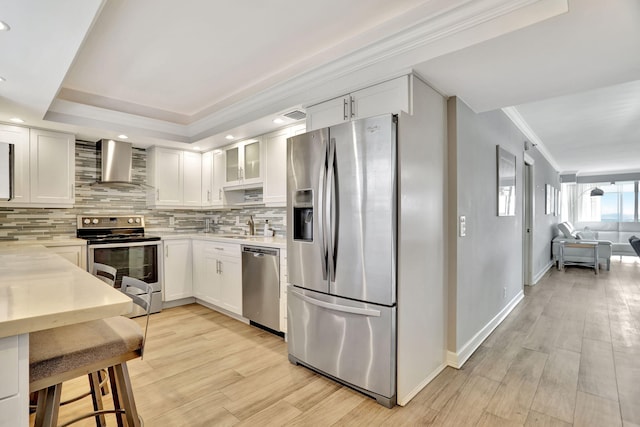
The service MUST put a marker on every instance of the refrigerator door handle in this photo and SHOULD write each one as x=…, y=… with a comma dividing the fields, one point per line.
x=321, y=214
x=329, y=203
x=338, y=307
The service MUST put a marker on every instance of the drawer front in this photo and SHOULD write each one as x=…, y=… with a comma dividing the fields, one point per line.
x=222, y=249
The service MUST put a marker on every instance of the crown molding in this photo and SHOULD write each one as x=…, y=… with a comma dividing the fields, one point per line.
x=517, y=119
x=353, y=70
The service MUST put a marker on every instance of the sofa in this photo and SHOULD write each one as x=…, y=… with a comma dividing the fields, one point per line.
x=617, y=233
x=567, y=233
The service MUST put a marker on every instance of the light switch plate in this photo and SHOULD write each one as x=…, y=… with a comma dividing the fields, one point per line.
x=463, y=225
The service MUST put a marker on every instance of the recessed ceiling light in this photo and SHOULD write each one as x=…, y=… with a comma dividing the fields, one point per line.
x=196, y=148
x=16, y=120
x=4, y=26
x=123, y=136
x=229, y=136
x=2, y=79
x=278, y=120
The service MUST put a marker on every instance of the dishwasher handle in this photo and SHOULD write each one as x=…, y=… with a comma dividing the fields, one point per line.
x=260, y=252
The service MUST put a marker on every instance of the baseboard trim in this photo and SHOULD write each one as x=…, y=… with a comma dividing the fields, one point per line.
x=456, y=360
x=222, y=310
x=406, y=399
x=178, y=302
x=541, y=273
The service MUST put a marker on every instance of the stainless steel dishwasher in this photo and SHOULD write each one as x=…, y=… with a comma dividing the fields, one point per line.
x=261, y=286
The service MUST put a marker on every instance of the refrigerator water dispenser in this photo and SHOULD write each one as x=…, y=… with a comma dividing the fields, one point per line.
x=303, y=216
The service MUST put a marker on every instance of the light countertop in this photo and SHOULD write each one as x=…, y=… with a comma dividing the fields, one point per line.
x=41, y=290
x=49, y=243
x=270, y=242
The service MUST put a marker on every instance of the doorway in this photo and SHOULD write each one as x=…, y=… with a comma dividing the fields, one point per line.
x=528, y=221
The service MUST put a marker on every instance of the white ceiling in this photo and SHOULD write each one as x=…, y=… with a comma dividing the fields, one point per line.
x=187, y=73
x=574, y=79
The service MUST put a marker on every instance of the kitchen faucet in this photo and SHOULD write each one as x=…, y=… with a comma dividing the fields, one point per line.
x=252, y=228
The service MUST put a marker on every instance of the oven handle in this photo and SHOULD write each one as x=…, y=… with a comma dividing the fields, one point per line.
x=125, y=245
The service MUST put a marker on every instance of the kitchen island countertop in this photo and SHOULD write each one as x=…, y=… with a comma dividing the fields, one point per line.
x=40, y=290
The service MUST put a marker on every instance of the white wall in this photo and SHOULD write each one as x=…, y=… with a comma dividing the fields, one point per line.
x=489, y=258
x=544, y=225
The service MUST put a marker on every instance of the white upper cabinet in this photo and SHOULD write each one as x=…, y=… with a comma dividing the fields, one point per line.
x=19, y=137
x=244, y=164
x=52, y=167
x=192, y=179
x=44, y=168
x=175, y=177
x=329, y=113
x=275, y=180
x=213, y=175
x=391, y=96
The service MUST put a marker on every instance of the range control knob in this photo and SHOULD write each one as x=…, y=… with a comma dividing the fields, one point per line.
x=137, y=220
x=86, y=221
x=130, y=220
x=94, y=221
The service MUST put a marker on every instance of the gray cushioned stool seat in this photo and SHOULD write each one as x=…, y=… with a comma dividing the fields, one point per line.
x=60, y=354
x=69, y=348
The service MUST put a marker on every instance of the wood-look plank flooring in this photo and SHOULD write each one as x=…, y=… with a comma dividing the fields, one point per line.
x=568, y=354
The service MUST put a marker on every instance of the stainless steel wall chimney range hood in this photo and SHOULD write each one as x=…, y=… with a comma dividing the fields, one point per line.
x=116, y=161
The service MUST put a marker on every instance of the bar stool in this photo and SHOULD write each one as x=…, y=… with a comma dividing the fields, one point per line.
x=105, y=272
x=61, y=354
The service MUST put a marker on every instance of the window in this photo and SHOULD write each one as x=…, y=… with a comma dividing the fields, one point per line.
x=619, y=203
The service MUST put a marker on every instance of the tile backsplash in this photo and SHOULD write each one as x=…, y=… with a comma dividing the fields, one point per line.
x=100, y=199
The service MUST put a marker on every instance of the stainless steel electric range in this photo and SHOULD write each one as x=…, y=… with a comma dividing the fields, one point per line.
x=120, y=241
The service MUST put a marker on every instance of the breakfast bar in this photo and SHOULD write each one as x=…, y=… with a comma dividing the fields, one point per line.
x=41, y=290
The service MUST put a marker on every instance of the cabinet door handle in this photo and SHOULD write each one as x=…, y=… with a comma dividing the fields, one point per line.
x=220, y=266
x=158, y=194
x=219, y=249
x=219, y=193
x=166, y=251
x=344, y=109
x=208, y=195
x=353, y=106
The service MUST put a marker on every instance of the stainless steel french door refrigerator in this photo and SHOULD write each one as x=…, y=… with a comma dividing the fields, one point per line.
x=341, y=248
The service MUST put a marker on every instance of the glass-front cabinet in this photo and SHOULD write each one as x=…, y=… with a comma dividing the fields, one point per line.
x=243, y=164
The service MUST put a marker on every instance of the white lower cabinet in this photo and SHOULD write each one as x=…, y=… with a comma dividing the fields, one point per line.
x=217, y=274
x=283, y=290
x=14, y=386
x=76, y=254
x=178, y=281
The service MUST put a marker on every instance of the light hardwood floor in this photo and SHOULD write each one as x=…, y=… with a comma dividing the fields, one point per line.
x=568, y=354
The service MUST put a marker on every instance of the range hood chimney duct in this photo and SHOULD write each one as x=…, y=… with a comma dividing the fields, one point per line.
x=116, y=161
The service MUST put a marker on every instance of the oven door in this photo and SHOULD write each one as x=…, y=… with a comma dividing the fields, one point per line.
x=140, y=260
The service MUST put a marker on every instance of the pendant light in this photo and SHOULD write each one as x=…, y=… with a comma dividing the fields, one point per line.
x=596, y=192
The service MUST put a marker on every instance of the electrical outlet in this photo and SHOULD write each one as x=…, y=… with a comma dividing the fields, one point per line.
x=463, y=225
x=504, y=292
x=172, y=221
